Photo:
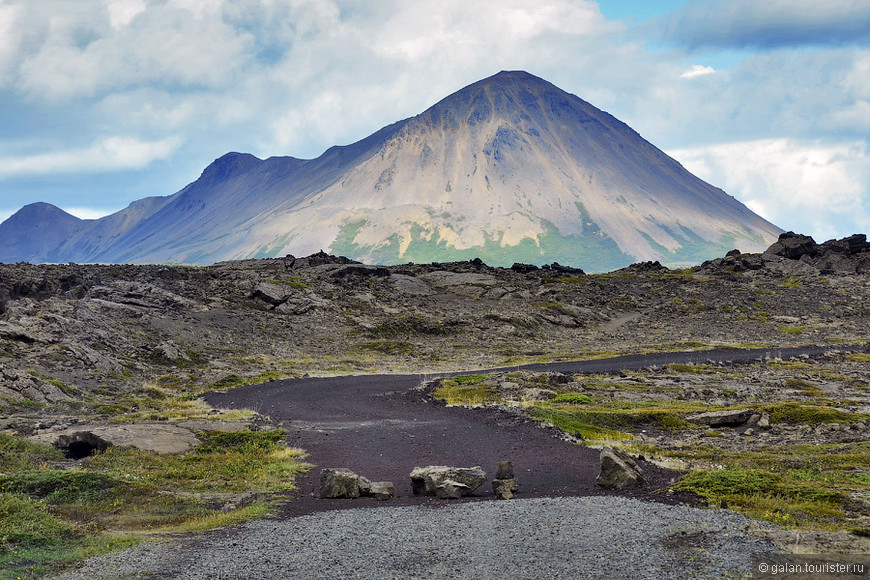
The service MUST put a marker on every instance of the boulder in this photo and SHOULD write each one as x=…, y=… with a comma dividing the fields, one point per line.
x=382, y=490
x=171, y=351
x=722, y=418
x=269, y=293
x=426, y=480
x=618, y=469
x=792, y=246
x=80, y=444
x=449, y=489
x=343, y=483
x=505, y=488
x=86, y=438
x=340, y=483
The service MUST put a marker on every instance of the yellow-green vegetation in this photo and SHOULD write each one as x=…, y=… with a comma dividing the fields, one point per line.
x=171, y=397
x=466, y=390
x=796, y=485
x=618, y=415
x=50, y=517
x=800, y=486
x=575, y=424
x=799, y=414
x=791, y=329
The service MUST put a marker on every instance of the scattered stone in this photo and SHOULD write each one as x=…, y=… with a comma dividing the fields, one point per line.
x=426, y=480
x=382, y=490
x=342, y=483
x=505, y=488
x=618, y=469
x=505, y=484
x=764, y=421
x=449, y=489
x=717, y=418
x=339, y=483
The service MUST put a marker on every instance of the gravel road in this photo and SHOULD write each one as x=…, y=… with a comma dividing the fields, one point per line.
x=561, y=525
x=554, y=538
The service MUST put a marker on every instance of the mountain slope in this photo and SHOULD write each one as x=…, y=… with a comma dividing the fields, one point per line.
x=508, y=169
x=35, y=232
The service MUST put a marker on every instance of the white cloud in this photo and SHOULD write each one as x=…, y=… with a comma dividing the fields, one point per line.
x=810, y=187
x=10, y=33
x=121, y=12
x=697, y=70
x=110, y=154
x=104, y=47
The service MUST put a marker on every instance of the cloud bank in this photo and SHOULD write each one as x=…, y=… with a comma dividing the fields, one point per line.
x=154, y=90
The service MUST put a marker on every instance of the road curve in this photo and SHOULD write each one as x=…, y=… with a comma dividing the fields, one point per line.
x=382, y=426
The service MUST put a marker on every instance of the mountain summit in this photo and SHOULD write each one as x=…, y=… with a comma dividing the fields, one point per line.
x=509, y=169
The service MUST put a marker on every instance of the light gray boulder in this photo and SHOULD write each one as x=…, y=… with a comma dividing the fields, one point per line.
x=343, y=483
x=339, y=483
x=426, y=480
x=449, y=489
x=382, y=490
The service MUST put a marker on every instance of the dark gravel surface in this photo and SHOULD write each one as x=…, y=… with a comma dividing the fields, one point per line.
x=382, y=426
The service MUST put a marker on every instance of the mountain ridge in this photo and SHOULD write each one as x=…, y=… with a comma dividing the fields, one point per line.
x=510, y=169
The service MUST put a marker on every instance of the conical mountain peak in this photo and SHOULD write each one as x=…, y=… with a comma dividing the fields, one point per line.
x=509, y=169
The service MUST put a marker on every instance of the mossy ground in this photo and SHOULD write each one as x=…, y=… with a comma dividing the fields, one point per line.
x=810, y=469
x=50, y=516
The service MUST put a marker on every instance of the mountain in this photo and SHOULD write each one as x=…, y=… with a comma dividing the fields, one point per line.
x=509, y=169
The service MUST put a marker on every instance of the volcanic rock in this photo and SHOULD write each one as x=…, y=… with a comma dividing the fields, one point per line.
x=463, y=480
x=618, y=469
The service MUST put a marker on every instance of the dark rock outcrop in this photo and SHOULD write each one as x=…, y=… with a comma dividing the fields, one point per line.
x=618, y=469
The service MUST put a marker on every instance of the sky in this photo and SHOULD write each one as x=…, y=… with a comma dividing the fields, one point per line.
x=103, y=102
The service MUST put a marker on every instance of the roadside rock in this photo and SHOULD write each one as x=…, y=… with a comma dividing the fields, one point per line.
x=342, y=483
x=618, y=469
x=339, y=483
x=382, y=490
x=505, y=488
x=426, y=480
x=449, y=489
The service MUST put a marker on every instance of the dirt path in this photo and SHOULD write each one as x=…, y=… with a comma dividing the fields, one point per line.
x=382, y=426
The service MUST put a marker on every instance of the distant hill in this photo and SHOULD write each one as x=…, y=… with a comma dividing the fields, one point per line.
x=509, y=169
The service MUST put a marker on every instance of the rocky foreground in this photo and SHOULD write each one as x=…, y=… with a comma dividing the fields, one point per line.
x=100, y=356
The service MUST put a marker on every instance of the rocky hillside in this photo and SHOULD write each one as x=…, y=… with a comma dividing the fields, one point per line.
x=85, y=335
x=509, y=169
